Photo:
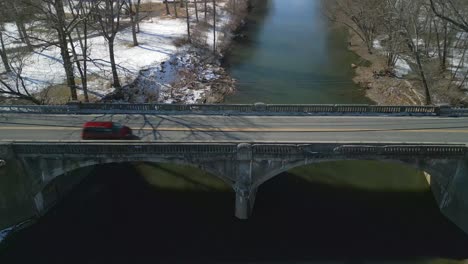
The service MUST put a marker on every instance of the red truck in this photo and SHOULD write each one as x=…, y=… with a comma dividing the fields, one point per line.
x=105, y=130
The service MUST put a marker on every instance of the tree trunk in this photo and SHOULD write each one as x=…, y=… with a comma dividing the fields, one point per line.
x=167, y=8
x=439, y=47
x=134, y=30
x=115, y=75
x=82, y=68
x=175, y=8
x=196, y=9
x=214, y=26
x=25, y=37
x=3, y=54
x=137, y=16
x=415, y=50
x=19, y=20
x=63, y=43
x=206, y=9
x=84, y=48
x=445, y=48
x=68, y=66
x=188, y=21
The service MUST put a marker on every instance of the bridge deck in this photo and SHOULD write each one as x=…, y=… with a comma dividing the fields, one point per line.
x=286, y=129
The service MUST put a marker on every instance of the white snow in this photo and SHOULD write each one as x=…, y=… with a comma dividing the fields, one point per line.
x=44, y=68
x=402, y=67
x=377, y=45
x=462, y=35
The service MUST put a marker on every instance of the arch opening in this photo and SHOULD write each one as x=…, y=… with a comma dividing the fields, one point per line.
x=176, y=177
x=363, y=174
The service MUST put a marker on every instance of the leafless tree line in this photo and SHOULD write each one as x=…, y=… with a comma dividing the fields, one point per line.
x=67, y=25
x=425, y=32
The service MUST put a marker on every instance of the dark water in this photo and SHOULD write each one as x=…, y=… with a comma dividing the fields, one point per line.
x=116, y=216
x=343, y=212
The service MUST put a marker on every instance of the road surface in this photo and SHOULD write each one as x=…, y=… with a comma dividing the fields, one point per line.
x=199, y=128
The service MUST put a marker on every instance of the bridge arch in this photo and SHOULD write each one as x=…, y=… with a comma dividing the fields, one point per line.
x=284, y=167
x=68, y=167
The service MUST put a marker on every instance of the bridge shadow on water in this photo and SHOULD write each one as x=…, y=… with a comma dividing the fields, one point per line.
x=115, y=216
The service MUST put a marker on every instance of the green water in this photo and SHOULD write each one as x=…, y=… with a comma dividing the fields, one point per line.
x=340, y=212
x=291, y=55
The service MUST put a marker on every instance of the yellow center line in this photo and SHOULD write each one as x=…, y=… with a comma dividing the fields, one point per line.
x=238, y=129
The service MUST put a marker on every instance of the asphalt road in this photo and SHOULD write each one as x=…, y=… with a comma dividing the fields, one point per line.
x=303, y=129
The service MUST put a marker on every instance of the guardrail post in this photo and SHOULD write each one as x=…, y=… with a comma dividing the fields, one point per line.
x=444, y=110
x=260, y=107
x=73, y=106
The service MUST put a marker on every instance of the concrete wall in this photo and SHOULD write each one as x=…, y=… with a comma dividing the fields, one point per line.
x=16, y=203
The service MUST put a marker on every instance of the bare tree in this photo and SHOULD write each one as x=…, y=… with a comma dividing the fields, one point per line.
x=54, y=15
x=391, y=27
x=166, y=2
x=413, y=31
x=452, y=11
x=361, y=16
x=109, y=14
x=188, y=21
x=175, y=8
x=3, y=53
x=214, y=26
x=19, y=12
x=134, y=17
x=195, y=2
x=15, y=86
x=3, y=50
x=82, y=11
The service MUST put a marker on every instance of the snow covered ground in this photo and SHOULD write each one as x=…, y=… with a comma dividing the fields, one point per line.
x=44, y=68
x=457, y=58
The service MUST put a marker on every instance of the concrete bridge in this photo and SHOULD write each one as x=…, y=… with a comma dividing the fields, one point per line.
x=243, y=150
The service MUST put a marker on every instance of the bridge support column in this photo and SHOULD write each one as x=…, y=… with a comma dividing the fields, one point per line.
x=452, y=196
x=449, y=181
x=245, y=200
x=243, y=186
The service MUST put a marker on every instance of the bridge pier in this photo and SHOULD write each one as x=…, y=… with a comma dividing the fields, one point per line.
x=245, y=192
x=449, y=182
x=245, y=200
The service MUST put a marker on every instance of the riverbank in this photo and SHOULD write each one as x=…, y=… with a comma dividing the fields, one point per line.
x=193, y=75
x=382, y=89
x=164, y=51
x=402, y=86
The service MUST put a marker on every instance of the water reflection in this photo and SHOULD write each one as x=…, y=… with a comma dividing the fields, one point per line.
x=290, y=55
x=297, y=218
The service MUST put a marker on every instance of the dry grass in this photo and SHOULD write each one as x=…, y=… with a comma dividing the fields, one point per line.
x=60, y=94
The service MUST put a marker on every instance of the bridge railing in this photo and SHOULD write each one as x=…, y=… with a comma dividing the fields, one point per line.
x=403, y=150
x=119, y=149
x=274, y=150
x=253, y=109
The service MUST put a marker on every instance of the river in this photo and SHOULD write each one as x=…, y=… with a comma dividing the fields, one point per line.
x=341, y=212
x=290, y=56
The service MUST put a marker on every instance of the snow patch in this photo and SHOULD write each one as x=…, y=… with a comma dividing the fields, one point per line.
x=377, y=44
x=402, y=67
